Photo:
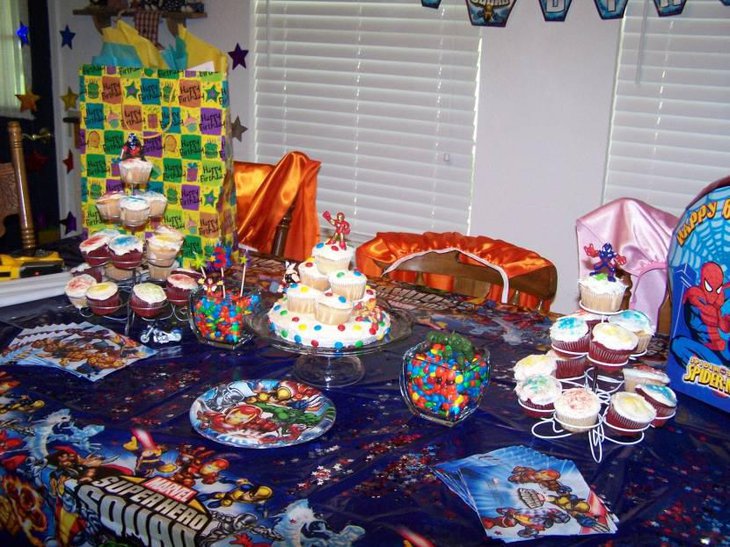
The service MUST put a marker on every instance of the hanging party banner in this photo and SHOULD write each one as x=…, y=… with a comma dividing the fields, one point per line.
x=555, y=10
x=669, y=7
x=494, y=13
x=489, y=13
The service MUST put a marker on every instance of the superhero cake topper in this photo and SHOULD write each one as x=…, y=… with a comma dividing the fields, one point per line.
x=342, y=228
x=133, y=148
x=608, y=259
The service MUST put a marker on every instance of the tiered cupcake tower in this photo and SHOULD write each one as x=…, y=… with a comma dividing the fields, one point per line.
x=114, y=261
x=587, y=382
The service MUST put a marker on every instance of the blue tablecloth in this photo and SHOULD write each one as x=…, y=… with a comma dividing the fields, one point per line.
x=368, y=480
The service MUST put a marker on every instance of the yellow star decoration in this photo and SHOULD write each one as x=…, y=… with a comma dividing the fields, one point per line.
x=69, y=99
x=28, y=100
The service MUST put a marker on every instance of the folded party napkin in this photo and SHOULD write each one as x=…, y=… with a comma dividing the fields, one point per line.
x=521, y=494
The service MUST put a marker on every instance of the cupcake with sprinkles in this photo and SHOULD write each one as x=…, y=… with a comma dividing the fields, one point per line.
x=126, y=251
x=577, y=409
x=628, y=414
x=611, y=345
x=662, y=398
x=638, y=323
x=568, y=366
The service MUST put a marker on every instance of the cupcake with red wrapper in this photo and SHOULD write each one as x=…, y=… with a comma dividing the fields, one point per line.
x=537, y=395
x=570, y=335
x=638, y=323
x=87, y=269
x=95, y=249
x=77, y=287
x=611, y=346
x=643, y=374
x=126, y=251
x=568, y=366
x=103, y=298
x=147, y=300
x=178, y=288
x=662, y=398
x=628, y=414
x=534, y=365
x=576, y=409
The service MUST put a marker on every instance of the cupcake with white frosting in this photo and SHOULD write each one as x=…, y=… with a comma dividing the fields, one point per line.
x=147, y=300
x=103, y=298
x=135, y=211
x=348, y=283
x=302, y=298
x=638, y=323
x=628, y=413
x=76, y=289
x=537, y=395
x=570, y=335
x=577, y=409
x=333, y=309
x=108, y=206
x=534, y=365
x=95, y=249
x=599, y=294
x=612, y=344
x=126, y=251
x=330, y=258
x=310, y=275
x=662, y=398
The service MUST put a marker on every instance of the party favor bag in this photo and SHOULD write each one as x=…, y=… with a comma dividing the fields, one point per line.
x=699, y=263
x=183, y=120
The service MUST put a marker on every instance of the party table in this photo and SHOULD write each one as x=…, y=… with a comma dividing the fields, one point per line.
x=117, y=462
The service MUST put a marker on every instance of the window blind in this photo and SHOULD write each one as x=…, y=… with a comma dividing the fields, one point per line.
x=383, y=93
x=14, y=58
x=670, y=133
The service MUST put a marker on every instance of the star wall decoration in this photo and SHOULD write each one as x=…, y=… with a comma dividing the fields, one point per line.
x=28, y=100
x=35, y=161
x=69, y=162
x=239, y=57
x=67, y=37
x=69, y=222
x=238, y=129
x=22, y=34
x=69, y=99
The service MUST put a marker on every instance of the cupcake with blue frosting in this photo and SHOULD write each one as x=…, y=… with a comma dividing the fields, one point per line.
x=570, y=335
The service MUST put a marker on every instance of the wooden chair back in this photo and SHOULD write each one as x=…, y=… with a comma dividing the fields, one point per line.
x=477, y=280
x=14, y=194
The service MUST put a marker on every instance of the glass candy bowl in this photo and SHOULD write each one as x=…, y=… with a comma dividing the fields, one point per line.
x=216, y=317
x=444, y=378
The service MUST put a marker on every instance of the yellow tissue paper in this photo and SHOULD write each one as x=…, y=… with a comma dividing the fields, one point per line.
x=200, y=51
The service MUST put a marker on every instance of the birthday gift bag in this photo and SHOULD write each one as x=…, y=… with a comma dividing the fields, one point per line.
x=699, y=277
x=182, y=117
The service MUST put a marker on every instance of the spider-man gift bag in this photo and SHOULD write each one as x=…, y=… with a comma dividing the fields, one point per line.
x=699, y=278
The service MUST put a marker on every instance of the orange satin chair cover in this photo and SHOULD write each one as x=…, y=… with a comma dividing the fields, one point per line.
x=509, y=260
x=264, y=193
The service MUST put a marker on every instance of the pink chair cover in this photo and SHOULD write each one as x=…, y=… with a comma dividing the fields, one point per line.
x=642, y=234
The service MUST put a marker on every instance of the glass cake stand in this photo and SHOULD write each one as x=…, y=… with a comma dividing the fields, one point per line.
x=329, y=367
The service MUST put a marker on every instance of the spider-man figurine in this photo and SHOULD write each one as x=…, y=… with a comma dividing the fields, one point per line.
x=607, y=258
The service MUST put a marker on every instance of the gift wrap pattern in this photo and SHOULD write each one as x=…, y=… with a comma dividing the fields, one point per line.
x=183, y=119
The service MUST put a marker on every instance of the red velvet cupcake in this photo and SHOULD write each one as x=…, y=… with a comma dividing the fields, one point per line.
x=126, y=252
x=628, y=414
x=568, y=366
x=178, y=288
x=103, y=298
x=147, y=300
x=662, y=399
x=570, y=334
x=95, y=249
x=537, y=394
x=611, y=344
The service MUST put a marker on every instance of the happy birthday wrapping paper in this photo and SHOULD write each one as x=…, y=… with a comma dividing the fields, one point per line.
x=183, y=119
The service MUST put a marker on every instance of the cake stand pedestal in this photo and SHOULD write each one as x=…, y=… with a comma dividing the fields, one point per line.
x=330, y=368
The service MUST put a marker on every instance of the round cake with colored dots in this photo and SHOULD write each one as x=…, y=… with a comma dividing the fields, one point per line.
x=335, y=322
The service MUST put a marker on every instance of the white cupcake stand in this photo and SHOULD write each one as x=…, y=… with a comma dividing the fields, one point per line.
x=550, y=427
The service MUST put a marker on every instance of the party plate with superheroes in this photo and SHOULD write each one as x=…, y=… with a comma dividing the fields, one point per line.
x=262, y=413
